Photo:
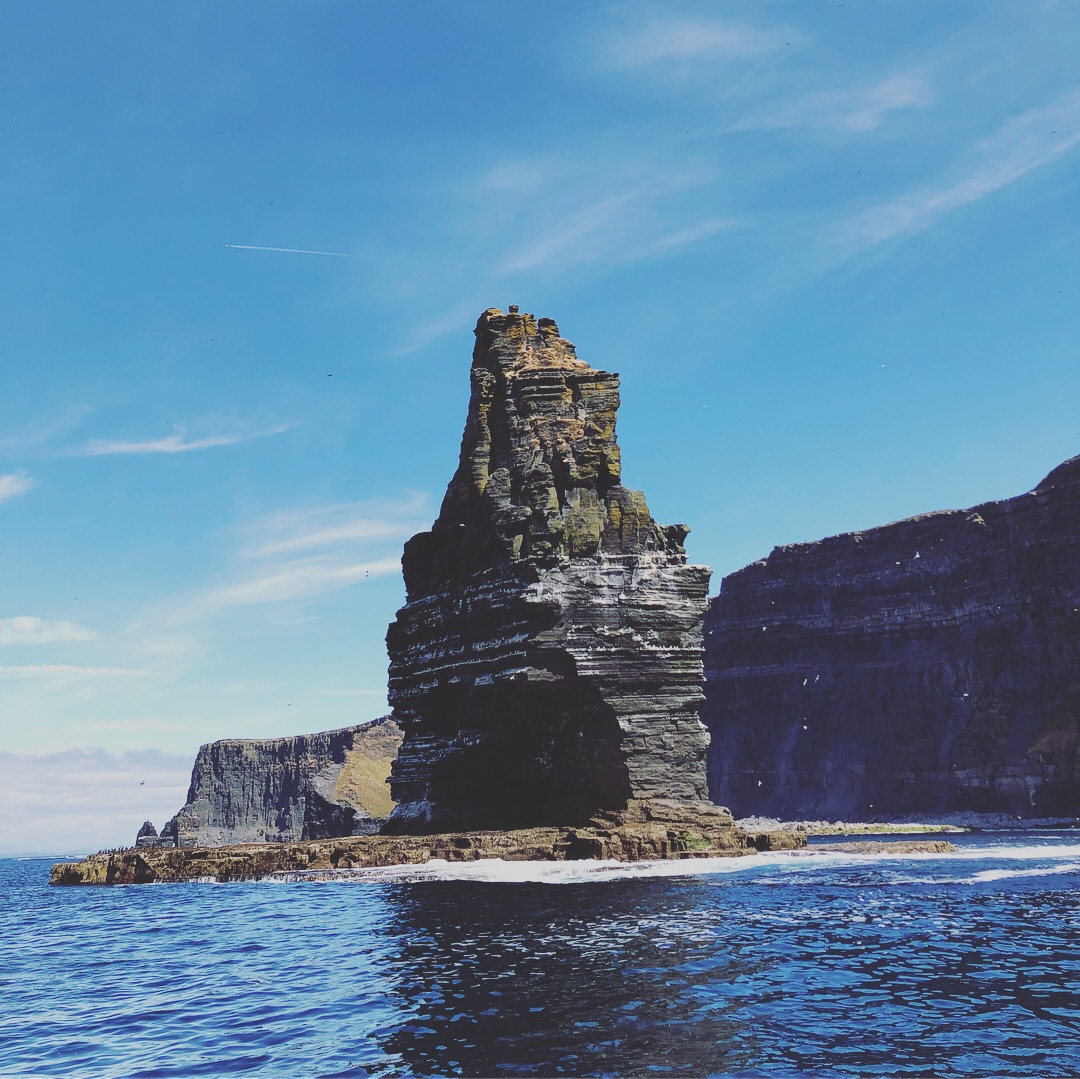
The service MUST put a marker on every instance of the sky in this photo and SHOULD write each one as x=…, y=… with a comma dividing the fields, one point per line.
x=831, y=249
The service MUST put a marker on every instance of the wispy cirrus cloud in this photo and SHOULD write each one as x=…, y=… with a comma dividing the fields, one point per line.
x=26, y=629
x=13, y=484
x=613, y=227
x=682, y=237
x=177, y=442
x=581, y=236
x=858, y=109
x=299, y=579
x=612, y=213
x=325, y=526
x=1021, y=145
x=677, y=39
x=456, y=316
x=301, y=554
x=45, y=428
x=67, y=671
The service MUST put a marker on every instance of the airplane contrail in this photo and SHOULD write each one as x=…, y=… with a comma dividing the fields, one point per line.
x=301, y=251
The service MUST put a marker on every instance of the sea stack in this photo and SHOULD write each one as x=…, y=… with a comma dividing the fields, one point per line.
x=547, y=664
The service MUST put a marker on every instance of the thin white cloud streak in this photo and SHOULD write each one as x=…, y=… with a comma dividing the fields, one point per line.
x=856, y=110
x=614, y=228
x=301, y=251
x=38, y=431
x=326, y=526
x=297, y=580
x=575, y=240
x=26, y=629
x=673, y=39
x=1021, y=145
x=13, y=484
x=67, y=671
x=460, y=316
x=341, y=545
x=691, y=235
x=354, y=530
x=176, y=443
x=580, y=227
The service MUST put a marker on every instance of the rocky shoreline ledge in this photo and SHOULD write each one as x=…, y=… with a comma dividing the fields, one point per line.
x=622, y=841
x=912, y=825
x=884, y=846
x=255, y=861
x=649, y=832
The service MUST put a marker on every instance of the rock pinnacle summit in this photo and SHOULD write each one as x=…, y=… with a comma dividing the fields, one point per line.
x=547, y=665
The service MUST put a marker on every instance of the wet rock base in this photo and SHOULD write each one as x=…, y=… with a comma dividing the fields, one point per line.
x=642, y=832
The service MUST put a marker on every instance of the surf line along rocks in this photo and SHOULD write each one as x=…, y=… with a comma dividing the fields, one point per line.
x=546, y=669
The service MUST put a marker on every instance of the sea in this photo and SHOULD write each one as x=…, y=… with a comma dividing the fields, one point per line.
x=840, y=964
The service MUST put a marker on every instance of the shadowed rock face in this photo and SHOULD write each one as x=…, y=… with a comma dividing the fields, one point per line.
x=547, y=663
x=311, y=786
x=929, y=665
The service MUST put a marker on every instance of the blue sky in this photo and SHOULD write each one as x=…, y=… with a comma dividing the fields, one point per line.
x=831, y=248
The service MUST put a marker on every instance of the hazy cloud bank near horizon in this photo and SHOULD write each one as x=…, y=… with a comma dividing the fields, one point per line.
x=76, y=801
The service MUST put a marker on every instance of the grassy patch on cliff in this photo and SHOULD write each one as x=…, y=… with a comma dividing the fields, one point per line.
x=362, y=782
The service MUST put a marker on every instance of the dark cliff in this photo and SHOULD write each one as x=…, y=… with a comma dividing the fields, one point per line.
x=311, y=786
x=924, y=666
x=548, y=661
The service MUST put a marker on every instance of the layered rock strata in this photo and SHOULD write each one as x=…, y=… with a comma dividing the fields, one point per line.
x=927, y=666
x=548, y=661
x=659, y=830
x=310, y=786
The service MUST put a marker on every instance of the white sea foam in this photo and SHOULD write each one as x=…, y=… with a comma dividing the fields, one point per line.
x=770, y=867
x=495, y=870
x=988, y=876
x=1020, y=852
x=1006, y=874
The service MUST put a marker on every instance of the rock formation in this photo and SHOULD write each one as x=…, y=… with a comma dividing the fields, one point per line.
x=310, y=786
x=666, y=831
x=547, y=663
x=147, y=835
x=925, y=666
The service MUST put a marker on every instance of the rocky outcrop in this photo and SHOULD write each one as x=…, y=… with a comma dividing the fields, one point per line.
x=547, y=663
x=660, y=830
x=877, y=846
x=926, y=666
x=310, y=786
x=147, y=835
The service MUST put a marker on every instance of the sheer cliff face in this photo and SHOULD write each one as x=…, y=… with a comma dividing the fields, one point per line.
x=548, y=660
x=928, y=665
x=312, y=786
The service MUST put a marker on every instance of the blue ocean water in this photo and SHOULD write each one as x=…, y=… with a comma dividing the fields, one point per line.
x=839, y=965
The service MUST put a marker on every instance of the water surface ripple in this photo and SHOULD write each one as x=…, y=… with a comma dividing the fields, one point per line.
x=951, y=966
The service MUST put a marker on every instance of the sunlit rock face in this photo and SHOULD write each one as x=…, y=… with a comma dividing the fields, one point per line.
x=926, y=666
x=309, y=786
x=548, y=661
